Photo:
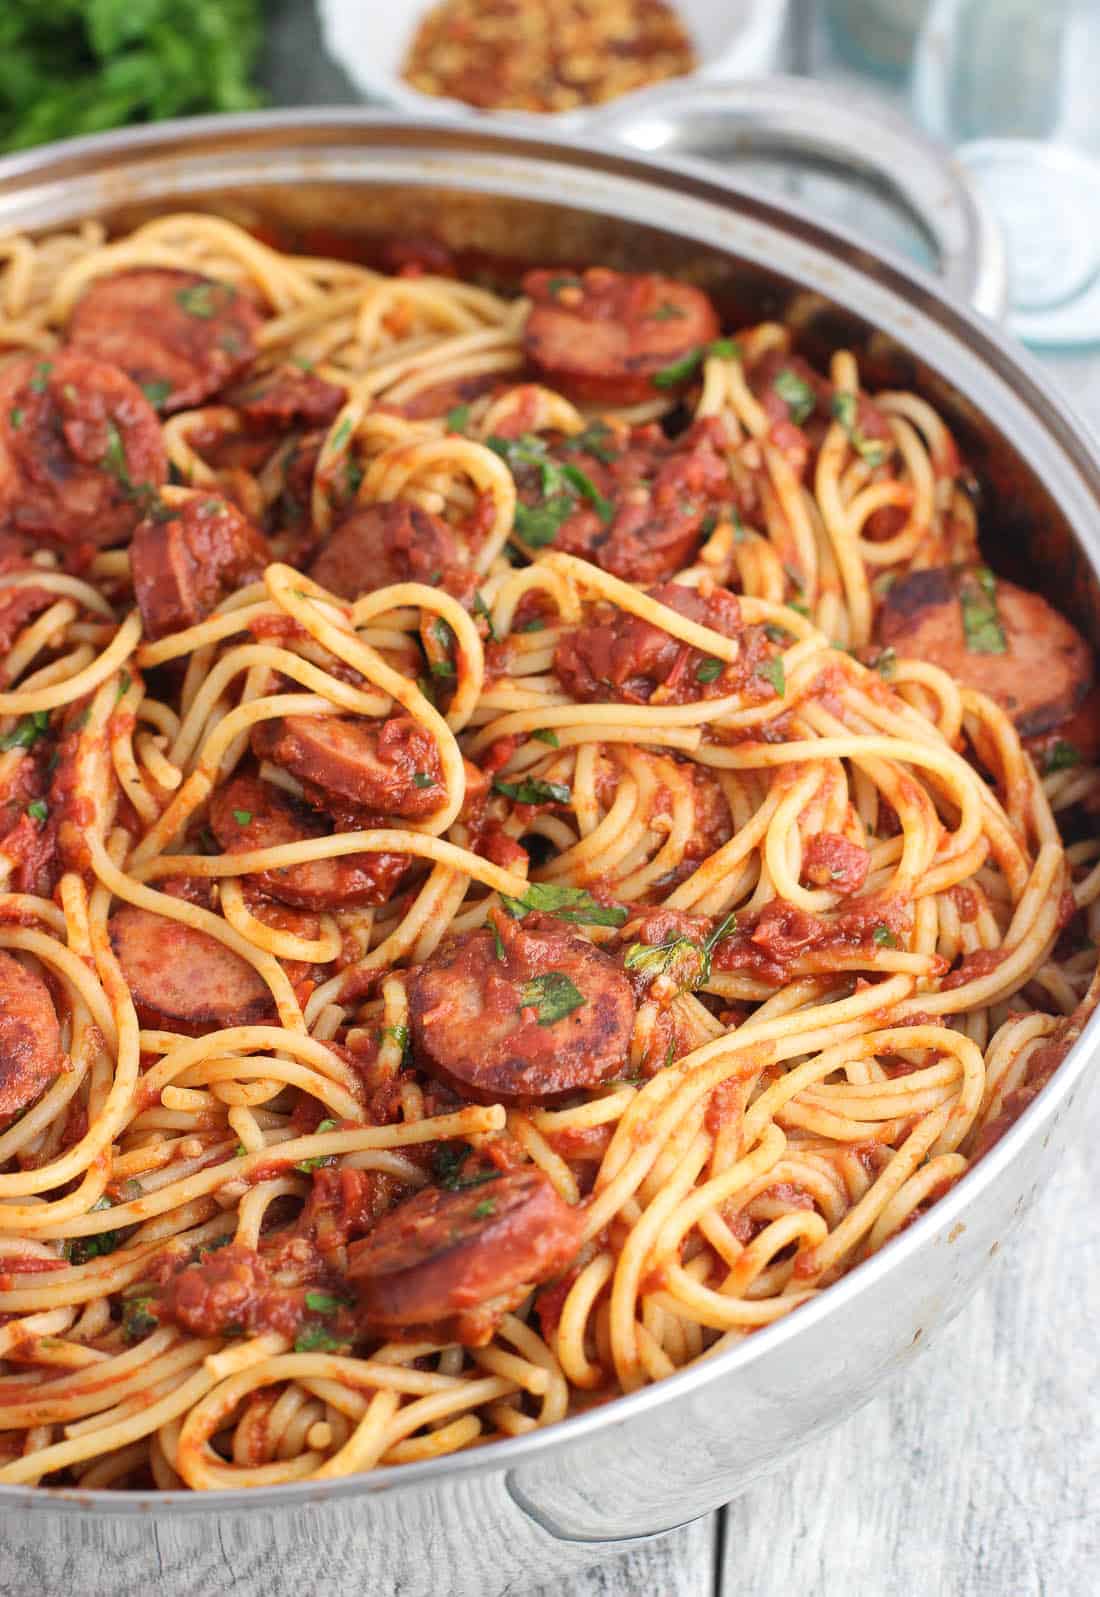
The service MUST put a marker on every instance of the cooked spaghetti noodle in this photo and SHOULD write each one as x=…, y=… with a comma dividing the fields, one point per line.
x=530, y=845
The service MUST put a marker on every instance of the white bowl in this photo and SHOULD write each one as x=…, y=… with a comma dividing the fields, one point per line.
x=732, y=38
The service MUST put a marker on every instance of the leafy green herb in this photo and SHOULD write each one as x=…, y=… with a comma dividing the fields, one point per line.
x=772, y=671
x=552, y=996
x=593, y=441
x=531, y=790
x=778, y=635
x=708, y=670
x=886, y=664
x=156, y=392
x=114, y=456
x=584, y=485
x=38, y=810
x=26, y=731
x=315, y=1339
x=485, y=1208
x=319, y=1160
x=796, y=394
x=532, y=626
x=545, y=735
x=197, y=299
x=399, y=1034
x=567, y=903
x=561, y=486
x=330, y=1125
x=137, y=1321
x=323, y=1303
x=447, y=1168
x=681, y=958
x=443, y=635
x=78, y=1250
x=423, y=779
x=539, y=525
x=40, y=377
x=978, y=602
x=242, y=817
x=884, y=937
x=1062, y=756
x=442, y=668
x=458, y=419
x=353, y=476
x=555, y=285
x=342, y=433
x=427, y=688
x=15, y=417
x=498, y=943
x=666, y=311
x=482, y=609
x=125, y=682
x=680, y=370
x=845, y=409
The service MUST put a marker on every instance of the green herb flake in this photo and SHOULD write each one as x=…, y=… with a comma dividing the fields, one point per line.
x=680, y=958
x=778, y=635
x=981, y=623
x=592, y=440
x=539, y=525
x=772, y=671
x=883, y=937
x=796, y=394
x=197, y=299
x=15, y=418
x=1062, y=756
x=315, y=1339
x=555, y=285
x=532, y=626
x=242, y=817
x=442, y=668
x=545, y=735
x=137, y=1320
x=845, y=410
x=397, y=1034
x=114, y=457
x=323, y=1303
x=40, y=377
x=666, y=311
x=341, y=435
x=531, y=790
x=584, y=485
x=482, y=609
x=552, y=996
x=125, y=683
x=571, y=904
x=485, y=1208
x=498, y=944
x=26, y=731
x=708, y=670
x=458, y=419
x=679, y=371
x=886, y=664
x=447, y=1168
x=38, y=811
x=156, y=392
x=423, y=779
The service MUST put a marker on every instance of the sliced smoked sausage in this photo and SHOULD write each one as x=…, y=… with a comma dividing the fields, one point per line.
x=521, y=1013
x=380, y=544
x=602, y=336
x=30, y=1037
x=249, y=814
x=387, y=768
x=184, y=980
x=991, y=636
x=619, y=657
x=81, y=451
x=187, y=557
x=181, y=336
x=286, y=397
x=442, y=1254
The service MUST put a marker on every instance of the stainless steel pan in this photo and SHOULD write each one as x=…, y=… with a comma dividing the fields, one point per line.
x=522, y=1511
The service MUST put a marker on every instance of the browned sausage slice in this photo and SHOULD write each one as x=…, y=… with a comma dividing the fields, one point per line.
x=184, y=980
x=619, y=657
x=521, y=1013
x=287, y=397
x=80, y=450
x=602, y=336
x=957, y=616
x=186, y=558
x=380, y=544
x=30, y=1037
x=249, y=814
x=387, y=768
x=179, y=335
x=440, y=1255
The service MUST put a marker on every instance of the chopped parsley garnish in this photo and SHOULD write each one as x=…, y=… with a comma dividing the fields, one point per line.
x=1062, y=756
x=884, y=937
x=442, y=668
x=536, y=625
x=485, y=1208
x=40, y=377
x=482, y=609
x=423, y=779
x=552, y=996
x=567, y=903
x=447, y=1168
x=342, y=433
x=399, y=1034
x=555, y=285
x=708, y=670
x=539, y=525
x=323, y=1303
x=458, y=419
x=38, y=810
x=796, y=394
x=156, y=392
x=114, y=456
x=978, y=602
x=498, y=943
x=532, y=790
x=78, y=1250
x=125, y=682
x=845, y=409
x=15, y=417
x=315, y=1339
x=137, y=1321
x=561, y=488
x=545, y=735
x=772, y=671
x=242, y=817
x=666, y=311
x=592, y=441
x=197, y=299
x=886, y=664
x=680, y=370
x=681, y=957
x=26, y=731
x=777, y=634
x=321, y=1159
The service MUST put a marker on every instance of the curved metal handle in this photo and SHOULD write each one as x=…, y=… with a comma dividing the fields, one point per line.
x=826, y=125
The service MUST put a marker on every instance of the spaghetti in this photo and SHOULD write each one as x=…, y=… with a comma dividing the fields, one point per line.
x=531, y=843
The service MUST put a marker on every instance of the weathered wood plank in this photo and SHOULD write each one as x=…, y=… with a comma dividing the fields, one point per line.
x=680, y=1565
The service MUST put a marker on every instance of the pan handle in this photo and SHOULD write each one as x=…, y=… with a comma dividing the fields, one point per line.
x=827, y=127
